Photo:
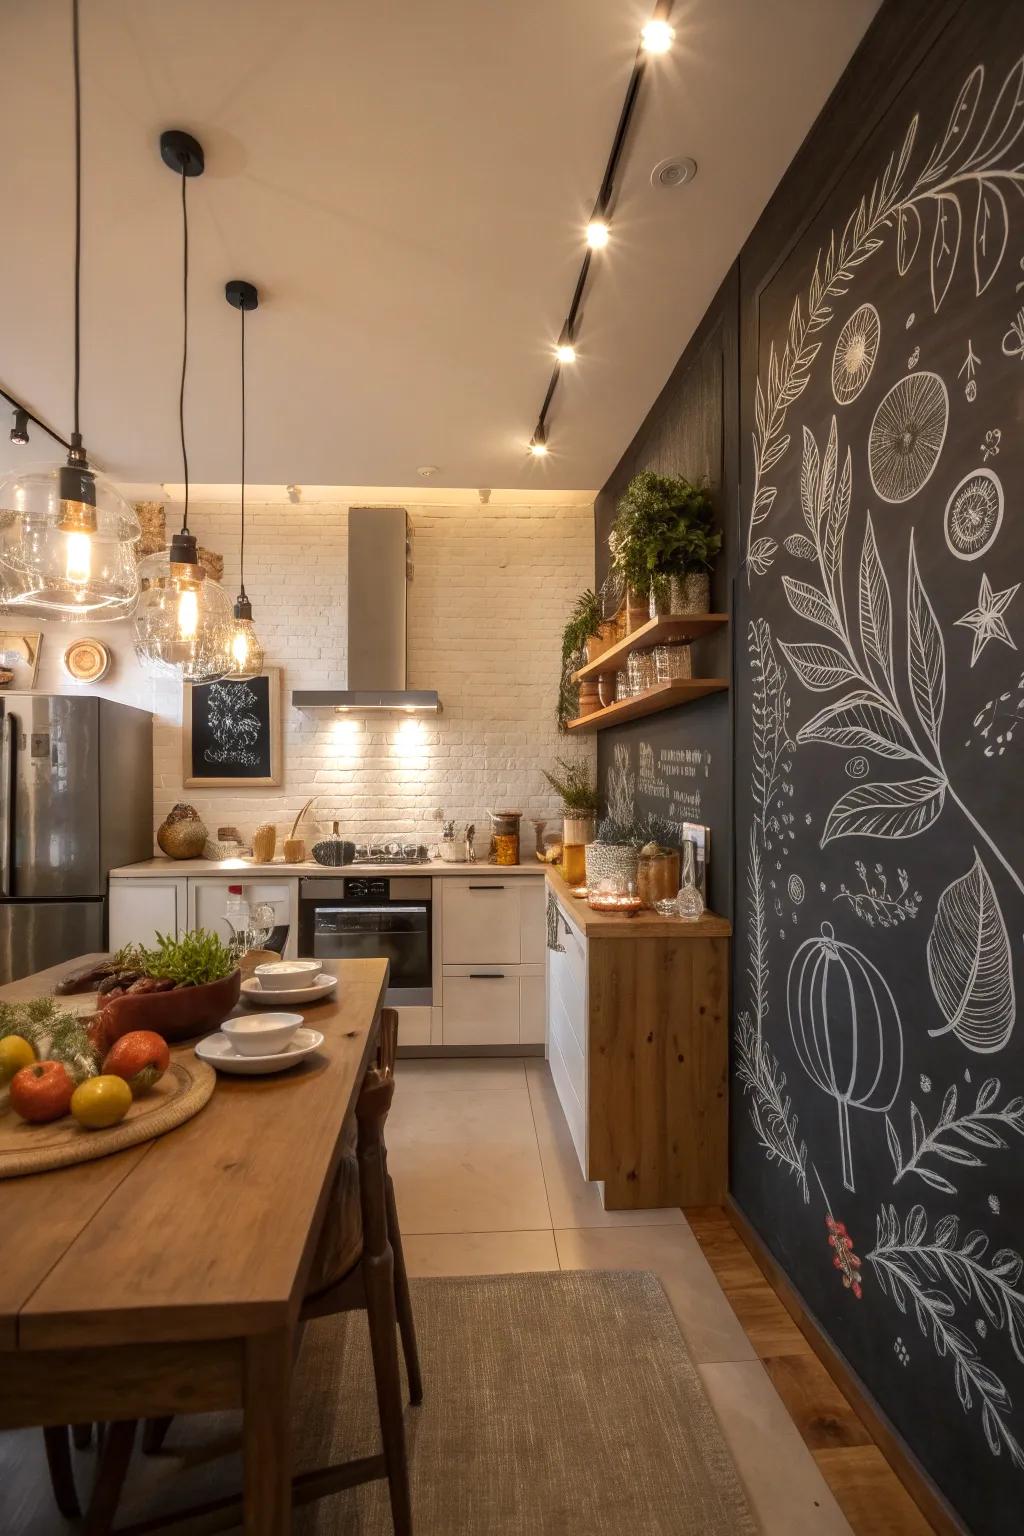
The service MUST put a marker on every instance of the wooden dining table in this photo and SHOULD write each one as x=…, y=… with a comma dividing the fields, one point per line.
x=167, y=1278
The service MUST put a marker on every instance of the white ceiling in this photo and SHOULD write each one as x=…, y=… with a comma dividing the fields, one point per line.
x=406, y=183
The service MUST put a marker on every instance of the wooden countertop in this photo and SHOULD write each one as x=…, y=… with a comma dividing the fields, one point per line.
x=204, y=1232
x=248, y=869
x=645, y=925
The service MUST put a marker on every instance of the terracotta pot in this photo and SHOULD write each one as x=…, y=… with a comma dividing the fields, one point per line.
x=691, y=593
x=596, y=646
x=589, y=697
x=176, y=1015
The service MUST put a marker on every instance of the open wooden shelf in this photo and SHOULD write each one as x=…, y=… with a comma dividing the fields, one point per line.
x=650, y=702
x=655, y=632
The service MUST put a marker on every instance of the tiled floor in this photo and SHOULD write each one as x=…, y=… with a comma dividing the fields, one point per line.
x=488, y=1181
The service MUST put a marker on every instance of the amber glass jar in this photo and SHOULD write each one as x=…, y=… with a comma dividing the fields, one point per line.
x=505, y=837
x=574, y=863
x=658, y=876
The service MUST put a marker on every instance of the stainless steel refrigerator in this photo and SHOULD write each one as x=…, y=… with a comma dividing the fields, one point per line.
x=76, y=800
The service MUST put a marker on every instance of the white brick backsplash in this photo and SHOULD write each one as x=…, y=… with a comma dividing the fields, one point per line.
x=490, y=592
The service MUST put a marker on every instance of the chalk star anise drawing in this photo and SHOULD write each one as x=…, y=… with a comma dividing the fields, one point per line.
x=987, y=619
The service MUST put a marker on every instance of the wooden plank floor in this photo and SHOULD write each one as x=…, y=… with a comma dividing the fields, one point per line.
x=866, y=1488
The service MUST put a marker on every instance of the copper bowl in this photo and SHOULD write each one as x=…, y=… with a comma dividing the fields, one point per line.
x=176, y=1015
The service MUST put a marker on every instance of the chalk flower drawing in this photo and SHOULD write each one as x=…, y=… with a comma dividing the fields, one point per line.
x=974, y=514
x=935, y=1273
x=843, y=1257
x=878, y=903
x=963, y=161
x=970, y=965
x=855, y=353
x=871, y=718
x=907, y=434
x=234, y=724
x=987, y=619
x=846, y=1030
x=955, y=1135
x=1005, y=709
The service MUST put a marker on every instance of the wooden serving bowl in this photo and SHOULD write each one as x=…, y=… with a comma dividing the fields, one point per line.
x=176, y=1015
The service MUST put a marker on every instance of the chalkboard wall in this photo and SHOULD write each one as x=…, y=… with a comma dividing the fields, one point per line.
x=877, y=1100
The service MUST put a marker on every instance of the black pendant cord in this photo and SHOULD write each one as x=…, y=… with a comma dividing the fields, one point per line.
x=241, y=546
x=184, y=343
x=76, y=435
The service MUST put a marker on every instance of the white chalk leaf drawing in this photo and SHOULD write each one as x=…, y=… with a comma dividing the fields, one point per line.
x=987, y=620
x=878, y=902
x=974, y=514
x=846, y=1031
x=872, y=718
x=905, y=808
x=933, y=1273
x=620, y=792
x=799, y=547
x=956, y=1135
x=770, y=713
x=926, y=654
x=970, y=965
x=855, y=353
x=907, y=435
x=819, y=667
x=875, y=607
x=961, y=163
x=771, y=1108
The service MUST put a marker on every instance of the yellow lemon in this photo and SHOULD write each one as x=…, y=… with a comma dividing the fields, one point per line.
x=15, y=1053
x=101, y=1101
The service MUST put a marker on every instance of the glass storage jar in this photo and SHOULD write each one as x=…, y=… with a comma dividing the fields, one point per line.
x=505, y=836
x=614, y=894
x=640, y=669
x=658, y=875
x=574, y=863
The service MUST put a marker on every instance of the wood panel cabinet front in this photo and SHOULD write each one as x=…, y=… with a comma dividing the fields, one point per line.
x=481, y=921
x=481, y=1009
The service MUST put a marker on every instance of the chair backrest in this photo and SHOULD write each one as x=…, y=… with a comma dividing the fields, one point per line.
x=387, y=1043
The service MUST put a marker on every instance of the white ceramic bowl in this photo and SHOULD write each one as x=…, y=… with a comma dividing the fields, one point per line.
x=287, y=975
x=261, y=1034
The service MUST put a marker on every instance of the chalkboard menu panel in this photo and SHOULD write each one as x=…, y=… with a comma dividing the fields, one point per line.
x=233, y=732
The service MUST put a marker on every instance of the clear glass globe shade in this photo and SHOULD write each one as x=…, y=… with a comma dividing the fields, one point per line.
x=63, y=559
x=182, y=622
x=244, y=651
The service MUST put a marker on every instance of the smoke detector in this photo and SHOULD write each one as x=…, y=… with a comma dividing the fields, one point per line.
x=676, y=171
x=427, y=471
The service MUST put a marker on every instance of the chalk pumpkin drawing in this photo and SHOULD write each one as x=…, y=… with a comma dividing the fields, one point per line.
x=858, y=546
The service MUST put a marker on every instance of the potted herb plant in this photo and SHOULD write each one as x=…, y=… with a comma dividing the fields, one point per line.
x=582, y=629
x=578, y=792
x=664, y=542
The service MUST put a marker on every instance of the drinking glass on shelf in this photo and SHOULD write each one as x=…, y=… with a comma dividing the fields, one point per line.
x=640, y=668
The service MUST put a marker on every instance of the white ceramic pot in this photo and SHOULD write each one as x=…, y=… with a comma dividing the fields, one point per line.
x=261, y=1034
x=286, y=975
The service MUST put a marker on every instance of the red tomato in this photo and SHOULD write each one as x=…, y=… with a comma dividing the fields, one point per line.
x=140, y=1057
x=42, y=1091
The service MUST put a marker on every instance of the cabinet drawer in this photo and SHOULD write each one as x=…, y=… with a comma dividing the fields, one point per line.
x=480, y=1010
x=481, y=921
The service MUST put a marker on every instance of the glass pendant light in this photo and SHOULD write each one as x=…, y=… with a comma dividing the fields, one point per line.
x=67, y=535
x=245, y=653
x=182, y=621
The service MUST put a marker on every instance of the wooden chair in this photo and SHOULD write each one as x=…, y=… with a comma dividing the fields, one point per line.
x=358, y=1264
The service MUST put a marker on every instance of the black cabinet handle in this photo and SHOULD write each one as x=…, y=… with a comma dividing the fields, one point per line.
x=487, y=887
x=487, y=975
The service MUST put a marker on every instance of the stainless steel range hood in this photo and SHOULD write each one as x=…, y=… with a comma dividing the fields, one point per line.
x=378, y=576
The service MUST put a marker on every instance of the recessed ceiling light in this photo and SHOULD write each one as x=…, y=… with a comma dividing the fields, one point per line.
x=657, y=37
x=676, y=171
x=427, y=471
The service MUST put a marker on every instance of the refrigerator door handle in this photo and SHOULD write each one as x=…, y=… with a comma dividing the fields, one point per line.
x=8, y=747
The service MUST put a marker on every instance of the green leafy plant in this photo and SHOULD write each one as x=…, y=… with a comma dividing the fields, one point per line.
x=629, y=834
x=193, y=960
x=575, y=785
x=664, y=526
x=53, y=1033
x=583, y=622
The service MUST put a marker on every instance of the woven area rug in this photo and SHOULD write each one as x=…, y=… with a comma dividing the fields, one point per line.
x=554, y=1403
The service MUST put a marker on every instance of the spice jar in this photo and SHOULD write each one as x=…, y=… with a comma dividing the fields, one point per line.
x=505, y=837
x=657, y=874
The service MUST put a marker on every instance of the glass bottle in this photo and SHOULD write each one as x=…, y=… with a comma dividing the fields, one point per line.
x=689, y=902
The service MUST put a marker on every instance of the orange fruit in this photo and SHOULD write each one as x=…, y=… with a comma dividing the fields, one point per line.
x=100, y=1102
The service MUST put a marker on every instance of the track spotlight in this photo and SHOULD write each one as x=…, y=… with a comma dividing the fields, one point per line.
x=539, y=443
x=597, y=234
x=657, y=36
x=19, y=432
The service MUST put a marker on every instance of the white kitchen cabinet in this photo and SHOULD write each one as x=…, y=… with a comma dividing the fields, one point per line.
x=533, y=920
x=140, y=909
x=481, y=1008
x=532, y=1009
x=208, y=898
x=493, y=945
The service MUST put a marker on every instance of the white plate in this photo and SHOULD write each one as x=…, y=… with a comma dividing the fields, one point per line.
x=265, y=997
x=220, y=1053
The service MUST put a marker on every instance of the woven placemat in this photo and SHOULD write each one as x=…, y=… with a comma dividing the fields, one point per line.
x=181, y=1093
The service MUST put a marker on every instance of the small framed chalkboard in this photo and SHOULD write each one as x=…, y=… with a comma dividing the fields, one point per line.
x=232, y=732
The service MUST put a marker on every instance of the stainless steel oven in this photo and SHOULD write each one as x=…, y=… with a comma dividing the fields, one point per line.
x=373, y=917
